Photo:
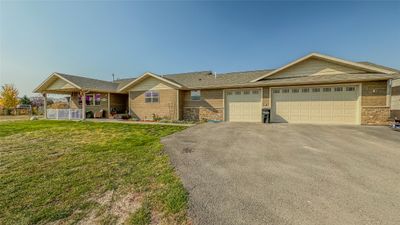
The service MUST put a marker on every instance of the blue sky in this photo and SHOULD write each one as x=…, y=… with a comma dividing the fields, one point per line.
x=97, y=39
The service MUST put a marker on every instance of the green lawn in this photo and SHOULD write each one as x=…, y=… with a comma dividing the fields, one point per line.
x=62, y=172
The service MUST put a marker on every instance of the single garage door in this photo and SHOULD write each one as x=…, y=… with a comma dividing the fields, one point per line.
x=243, y=105
x=334, y=104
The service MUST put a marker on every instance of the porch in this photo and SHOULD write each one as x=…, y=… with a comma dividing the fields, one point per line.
x=88, y=98
x=93, y=104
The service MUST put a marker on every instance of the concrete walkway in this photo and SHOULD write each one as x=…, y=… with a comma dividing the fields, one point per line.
x=138, y=122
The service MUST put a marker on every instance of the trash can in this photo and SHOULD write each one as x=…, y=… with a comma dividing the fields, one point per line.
x=266, y=114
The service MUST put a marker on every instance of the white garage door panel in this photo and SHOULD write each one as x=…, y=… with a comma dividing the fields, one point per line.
x=243, y=105
x=336, y=104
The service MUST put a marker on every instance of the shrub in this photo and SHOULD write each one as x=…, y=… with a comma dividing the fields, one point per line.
x=89, y=114
x=156, y=117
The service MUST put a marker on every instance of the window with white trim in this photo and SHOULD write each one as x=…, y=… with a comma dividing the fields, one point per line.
x=326, y=89
x=195, y=95
x=350, y=88
x=295, y=90
x=276, y=91
x=315, y=90
x=338, y=89
x=151, y=97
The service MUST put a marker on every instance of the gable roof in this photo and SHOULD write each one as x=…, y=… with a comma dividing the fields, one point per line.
x=148, y=74
x=53, y=77
x=91, y=84
x=365, y=67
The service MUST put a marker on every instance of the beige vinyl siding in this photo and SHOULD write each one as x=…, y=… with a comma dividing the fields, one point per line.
x=312, y=67
x=151, y=83
x=266, y=97
x=60, y=84
x=395, y=99
x=208, y=99
x=374, y=93
x=165, y=108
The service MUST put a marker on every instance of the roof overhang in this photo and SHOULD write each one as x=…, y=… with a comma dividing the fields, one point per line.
x=364, y=67
x=53, y=77
x=146, y=75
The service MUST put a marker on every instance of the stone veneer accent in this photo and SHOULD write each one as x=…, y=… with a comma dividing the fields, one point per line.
x=202, y=113
x=375, y=115
x=374, y=110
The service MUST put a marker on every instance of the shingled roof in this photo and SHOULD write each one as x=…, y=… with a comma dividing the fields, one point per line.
x=207, y=79
x=90, y=83
x=380, y=66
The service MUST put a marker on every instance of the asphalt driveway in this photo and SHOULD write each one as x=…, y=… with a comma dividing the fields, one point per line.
x=244, y=173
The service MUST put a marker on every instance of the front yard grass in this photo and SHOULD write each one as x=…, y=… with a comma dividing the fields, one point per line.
x=61, y=172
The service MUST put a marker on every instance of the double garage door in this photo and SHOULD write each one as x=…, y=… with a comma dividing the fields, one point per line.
x=324, y=104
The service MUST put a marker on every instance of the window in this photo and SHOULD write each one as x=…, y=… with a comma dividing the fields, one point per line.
x=229, y=93
x=276, y=91
x=97, y=99
x=305, y=90
x=247, y=92
x=91, y=99
x=338, y=89
x=285, y=90
x=326, y=89
x=315, y=90
x=151, y=97
x=195, y=95
x=350, y=88
x=295, y=90
x=237, y=92
x=255, y=92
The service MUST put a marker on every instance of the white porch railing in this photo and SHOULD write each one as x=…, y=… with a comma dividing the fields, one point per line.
x=64, y=114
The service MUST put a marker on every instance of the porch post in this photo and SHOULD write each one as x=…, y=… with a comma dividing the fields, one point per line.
x=129, y=103
x=45, y=105
x=108, y=106
x=83, y=96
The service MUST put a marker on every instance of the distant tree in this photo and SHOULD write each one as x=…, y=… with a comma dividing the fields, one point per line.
x=9, y=96
x=25, y=100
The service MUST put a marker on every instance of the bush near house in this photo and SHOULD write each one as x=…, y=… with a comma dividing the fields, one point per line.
x=65, y=172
